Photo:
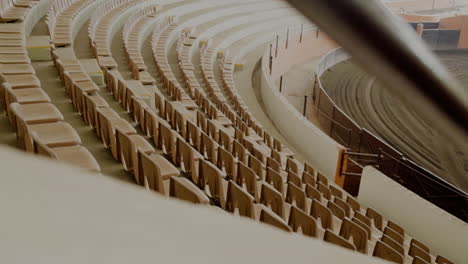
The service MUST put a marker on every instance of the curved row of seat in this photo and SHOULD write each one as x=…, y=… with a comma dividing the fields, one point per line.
x=192, y=137
x=228, y=169
x=39, y=125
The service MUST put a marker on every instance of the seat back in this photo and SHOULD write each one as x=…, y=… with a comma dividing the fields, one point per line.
x=256, y=165
x=358, y=234
x=238, y=198
x=292, y=177
x=183, y=189
x=392, y=243
x=239, y=152
x=274, y=179
x=268, y=217
x=296, y=196
x=336, y=192
x=227, y=163
x=247, y=176
x=393, y=235
x=322, y=178
x=208, y=147
x=313, y=193
x=150, y=170
x=292, y=165
x=308, y=178
x=344, y=205
x=192, y=134
x=300, y=219
x=309, y=169
x=353, y=203
x=336, y=210
x=213, y=177
x=416, y=251
x=442, y=260
x=273, y=199
x=384, y=251
x=186, y=159
x=396, y=228
x=376, y=217
x=337, y=240
x=318, y=210
x=324, y=190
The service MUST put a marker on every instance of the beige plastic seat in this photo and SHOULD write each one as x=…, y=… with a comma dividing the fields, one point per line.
x=442, y=260
x=127, y=149
x=317, y=210
x=383, y=251
x=376, y=217
x=22, y=96
x=188, y=159
x=298, y=219
x=10, y=12
x=359, y=235
x=296, y=196
x=32, y=114
x=241, y=202
x=22, y=81
x=53, y=135
x=269, y=217
x=393, y=244
x=74, y=155
x=273, y=199
x=108, y=123
x=312, y=193
x=216, y=181
x=337, y=240
x=247, y=177
x=416, y=251
x=16, y=69
x=183, y=189
x=394, y=235
x=155, y=169
x=418, y=260
x=13, y=58
x=12, y=28
x=336, y=210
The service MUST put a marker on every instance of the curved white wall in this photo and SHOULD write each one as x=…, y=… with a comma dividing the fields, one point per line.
x=318, y=149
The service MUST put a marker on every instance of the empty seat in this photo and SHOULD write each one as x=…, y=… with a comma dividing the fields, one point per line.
x=183, y=189
x=299, y=219
x=155, y=169
x=269, y=217
x=75, y=155
x=382, y=250
x=337, y=240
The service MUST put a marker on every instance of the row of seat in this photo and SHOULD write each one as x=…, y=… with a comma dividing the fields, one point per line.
x=131, y=36
x=190, y=42
x=213, y=154
x=116, y=133
x=15, y=10
x=39, y=125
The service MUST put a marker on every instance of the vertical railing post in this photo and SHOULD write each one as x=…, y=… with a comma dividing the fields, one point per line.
x=302, y=30
x=281, y=83
x=271, y=59
x=287, y=38
x=305, y=105
x=276, y=50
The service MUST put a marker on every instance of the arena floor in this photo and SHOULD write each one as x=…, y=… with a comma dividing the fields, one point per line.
x=380, y=111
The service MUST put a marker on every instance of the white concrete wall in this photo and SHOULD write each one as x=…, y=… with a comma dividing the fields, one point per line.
x=445, y=234
x=52, y=213
x=316, y=147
